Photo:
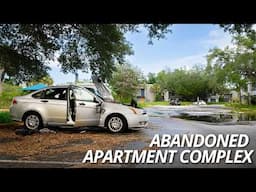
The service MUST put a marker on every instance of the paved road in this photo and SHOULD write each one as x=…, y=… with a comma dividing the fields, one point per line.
x=179, y=126
x=163, y=122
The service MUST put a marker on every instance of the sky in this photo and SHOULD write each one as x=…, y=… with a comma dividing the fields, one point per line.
x=187, y=45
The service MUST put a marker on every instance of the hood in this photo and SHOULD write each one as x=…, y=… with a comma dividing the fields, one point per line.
x=102, y=88
x=115, y=105
x=124, y=108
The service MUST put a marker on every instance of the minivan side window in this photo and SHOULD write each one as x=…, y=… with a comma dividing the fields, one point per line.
x=83, y=95
x=55, y=93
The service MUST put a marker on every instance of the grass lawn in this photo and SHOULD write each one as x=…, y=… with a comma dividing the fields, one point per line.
x=164, y=103
x=148, y=104
x=242, y=108
x=219, y=103
x=5, y=117
x=186, y=103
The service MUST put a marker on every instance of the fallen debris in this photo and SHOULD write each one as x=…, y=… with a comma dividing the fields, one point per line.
x=46, y=130
x=69, y=144
x=83, y=131
x=24, y=132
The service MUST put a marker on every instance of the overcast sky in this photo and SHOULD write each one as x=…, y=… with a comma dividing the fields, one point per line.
x=186, y=46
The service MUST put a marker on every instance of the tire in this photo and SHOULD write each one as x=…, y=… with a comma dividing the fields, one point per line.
x=33, y=121
x=116, y=123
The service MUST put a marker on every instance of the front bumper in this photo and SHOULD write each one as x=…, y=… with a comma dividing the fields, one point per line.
x=137, y=121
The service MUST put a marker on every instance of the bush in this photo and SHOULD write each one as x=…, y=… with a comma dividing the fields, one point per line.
x=253, y=100
x=159, y=97
x=5, y=117
x=9, y=91
x=221, y=99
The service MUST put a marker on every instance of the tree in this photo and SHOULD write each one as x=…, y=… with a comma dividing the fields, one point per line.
x=47, y=80
x=151, y=78
x=25, y=49
x=156, y=89
x=236, y=66
x=237, y=28
x=125, y=82
x=187, y=85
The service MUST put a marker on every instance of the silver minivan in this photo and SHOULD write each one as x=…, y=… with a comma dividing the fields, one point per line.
x=74, y=106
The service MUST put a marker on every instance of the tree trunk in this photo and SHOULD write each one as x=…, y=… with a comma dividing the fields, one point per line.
x=249, y=87
x=1, y=80
x=240, y=96
x=1, y=87
x=249, y=99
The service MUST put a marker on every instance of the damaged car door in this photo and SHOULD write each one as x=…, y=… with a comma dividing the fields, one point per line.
x=54, y=102
x=86, y=108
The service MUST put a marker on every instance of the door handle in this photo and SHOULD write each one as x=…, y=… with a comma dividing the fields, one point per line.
x=81, y=103
x=44, y=101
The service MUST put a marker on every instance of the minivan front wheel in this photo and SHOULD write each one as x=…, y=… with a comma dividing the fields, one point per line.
x=32, y=121
x=116, y=124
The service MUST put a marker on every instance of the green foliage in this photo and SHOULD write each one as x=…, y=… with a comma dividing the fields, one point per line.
x=25, y=49
x=156, y=89
x=47, y=80
x=149, y=104
x=237, y=28
x=125, y=82
x=9, y=91
x=253, y=100
x=94, y=47
x=5, y=117
x=186, y=103
x=235, y=66
x=238, y=107
x=155, y=31
x=163, y=103
x=187, y=85
x=151, y=78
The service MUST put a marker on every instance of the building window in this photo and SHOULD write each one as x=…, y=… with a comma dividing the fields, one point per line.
x=254, y=87
x=142, y=92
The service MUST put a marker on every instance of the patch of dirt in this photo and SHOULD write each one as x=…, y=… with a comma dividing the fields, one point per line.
x=68, y=156
x=4, y=156
x=56, y=146
x=72, y=142
x=9, y=139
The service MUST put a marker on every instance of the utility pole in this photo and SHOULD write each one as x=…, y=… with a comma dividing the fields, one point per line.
x=76, y=77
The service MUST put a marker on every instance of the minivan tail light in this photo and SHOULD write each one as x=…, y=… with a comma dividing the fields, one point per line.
x=14, y=101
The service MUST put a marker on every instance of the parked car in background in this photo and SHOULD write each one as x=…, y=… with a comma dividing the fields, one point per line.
x=175, y=101
x=74, y=106
x=200, y=102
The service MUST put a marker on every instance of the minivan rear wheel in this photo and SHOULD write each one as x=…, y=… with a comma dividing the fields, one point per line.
x=33, y=121
x=116, y=124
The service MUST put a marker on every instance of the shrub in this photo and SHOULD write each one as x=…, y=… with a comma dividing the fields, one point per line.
x=9, y=91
